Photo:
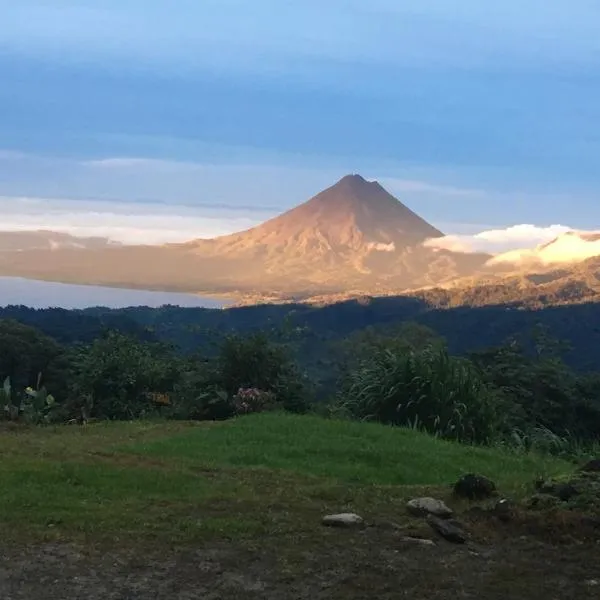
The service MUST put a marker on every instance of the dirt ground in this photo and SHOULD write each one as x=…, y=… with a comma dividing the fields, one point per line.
x=504, y=562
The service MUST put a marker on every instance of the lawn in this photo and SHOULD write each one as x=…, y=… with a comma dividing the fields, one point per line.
x=268, y=474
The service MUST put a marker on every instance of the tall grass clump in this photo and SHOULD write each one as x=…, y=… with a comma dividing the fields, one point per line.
x=427, y=389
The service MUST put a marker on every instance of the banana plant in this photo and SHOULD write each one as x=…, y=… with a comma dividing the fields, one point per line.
x=11, y=410
x=37, y=404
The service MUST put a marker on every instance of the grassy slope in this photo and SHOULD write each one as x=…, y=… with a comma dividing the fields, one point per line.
x=259, y=475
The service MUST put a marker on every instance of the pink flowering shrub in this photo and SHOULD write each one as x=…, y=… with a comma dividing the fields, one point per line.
x=252, y=400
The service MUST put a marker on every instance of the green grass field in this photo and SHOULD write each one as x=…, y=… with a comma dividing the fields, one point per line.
x=268, y=474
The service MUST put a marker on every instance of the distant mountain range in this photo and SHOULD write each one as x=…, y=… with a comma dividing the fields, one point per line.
x=22, y=241
x=352, y=238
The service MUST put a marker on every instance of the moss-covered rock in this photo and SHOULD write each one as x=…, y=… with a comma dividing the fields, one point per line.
x=579, y=491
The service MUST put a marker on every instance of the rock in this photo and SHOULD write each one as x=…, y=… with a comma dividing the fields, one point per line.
x=343, y=520
x=474, y=487
x=563, y=490
x=593, y=466
x=415, y=540
x=421, y=507
x=449, y=530
x=543, y=502
x=504, y=509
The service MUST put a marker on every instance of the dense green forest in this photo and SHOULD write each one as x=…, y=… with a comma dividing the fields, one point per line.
x=473, y=374
x=316, y=330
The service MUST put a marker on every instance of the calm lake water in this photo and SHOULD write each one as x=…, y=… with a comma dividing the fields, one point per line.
x=45, y=294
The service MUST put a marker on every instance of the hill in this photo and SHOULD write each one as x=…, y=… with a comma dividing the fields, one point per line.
x=316, y=330
x=352, y=236
x=550, y=284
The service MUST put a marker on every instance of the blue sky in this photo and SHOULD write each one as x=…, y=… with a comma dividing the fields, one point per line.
x=478, y=116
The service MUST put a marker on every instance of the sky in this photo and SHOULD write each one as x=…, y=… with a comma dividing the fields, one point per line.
x=155, y=121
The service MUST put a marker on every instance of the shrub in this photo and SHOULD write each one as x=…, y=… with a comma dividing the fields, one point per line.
x=252, y=400
x=117, y=375
x=25, y=352
x=254, y=362
x=428, y=389
x=33, y=406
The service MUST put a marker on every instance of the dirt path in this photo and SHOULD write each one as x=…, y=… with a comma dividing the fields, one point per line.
x=360, y=564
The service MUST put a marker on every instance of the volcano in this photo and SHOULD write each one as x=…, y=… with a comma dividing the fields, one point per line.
x=353, y=235
x=354, y=215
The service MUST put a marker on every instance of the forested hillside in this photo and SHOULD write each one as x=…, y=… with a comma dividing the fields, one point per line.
x=314, y=330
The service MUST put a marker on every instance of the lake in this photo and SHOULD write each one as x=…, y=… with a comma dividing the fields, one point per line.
x=47, y=294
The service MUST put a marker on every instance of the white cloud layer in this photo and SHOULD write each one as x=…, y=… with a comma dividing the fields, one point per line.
x=127, y=222
x=525, y=244
x=160, y=223
x=573, y=246
x=494, y=241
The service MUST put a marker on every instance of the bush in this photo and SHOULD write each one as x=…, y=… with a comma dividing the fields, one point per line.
x=254, y=362
x=116, y=376
x=32, y=406
x=25, y=352
x=249, y=374
x=539, y=391
x=251, y=400
x=428, y=389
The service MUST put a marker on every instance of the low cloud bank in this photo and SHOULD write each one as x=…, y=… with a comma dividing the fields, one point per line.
x=525, y=243
x=127, y=222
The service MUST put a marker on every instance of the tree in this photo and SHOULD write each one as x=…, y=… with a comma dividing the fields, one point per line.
x=537, y=388
x=118, y=374
x=25, y=352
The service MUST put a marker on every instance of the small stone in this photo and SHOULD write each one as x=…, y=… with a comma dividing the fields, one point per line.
x=474, y=487
x=415, y=540
x=421, y=507
x=343, y=520
x=449, y=530
x=592, y=582
x=504, y=509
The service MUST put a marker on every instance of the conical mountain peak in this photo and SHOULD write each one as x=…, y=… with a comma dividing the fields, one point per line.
x=355, y=184
x=352, y=215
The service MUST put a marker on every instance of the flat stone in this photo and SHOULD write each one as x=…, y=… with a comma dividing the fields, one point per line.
x=418, y=541
x=422, y=507
x=343, y=520
x=449, y=530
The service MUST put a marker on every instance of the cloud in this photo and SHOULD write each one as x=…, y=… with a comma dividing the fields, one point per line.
x=127, y=222
x=11, y=155
x=265, y=36
x=494, y=241
x=413, y=186
x=525, y=244
x=573, y=246
x=124, y=162
x=381, y=247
